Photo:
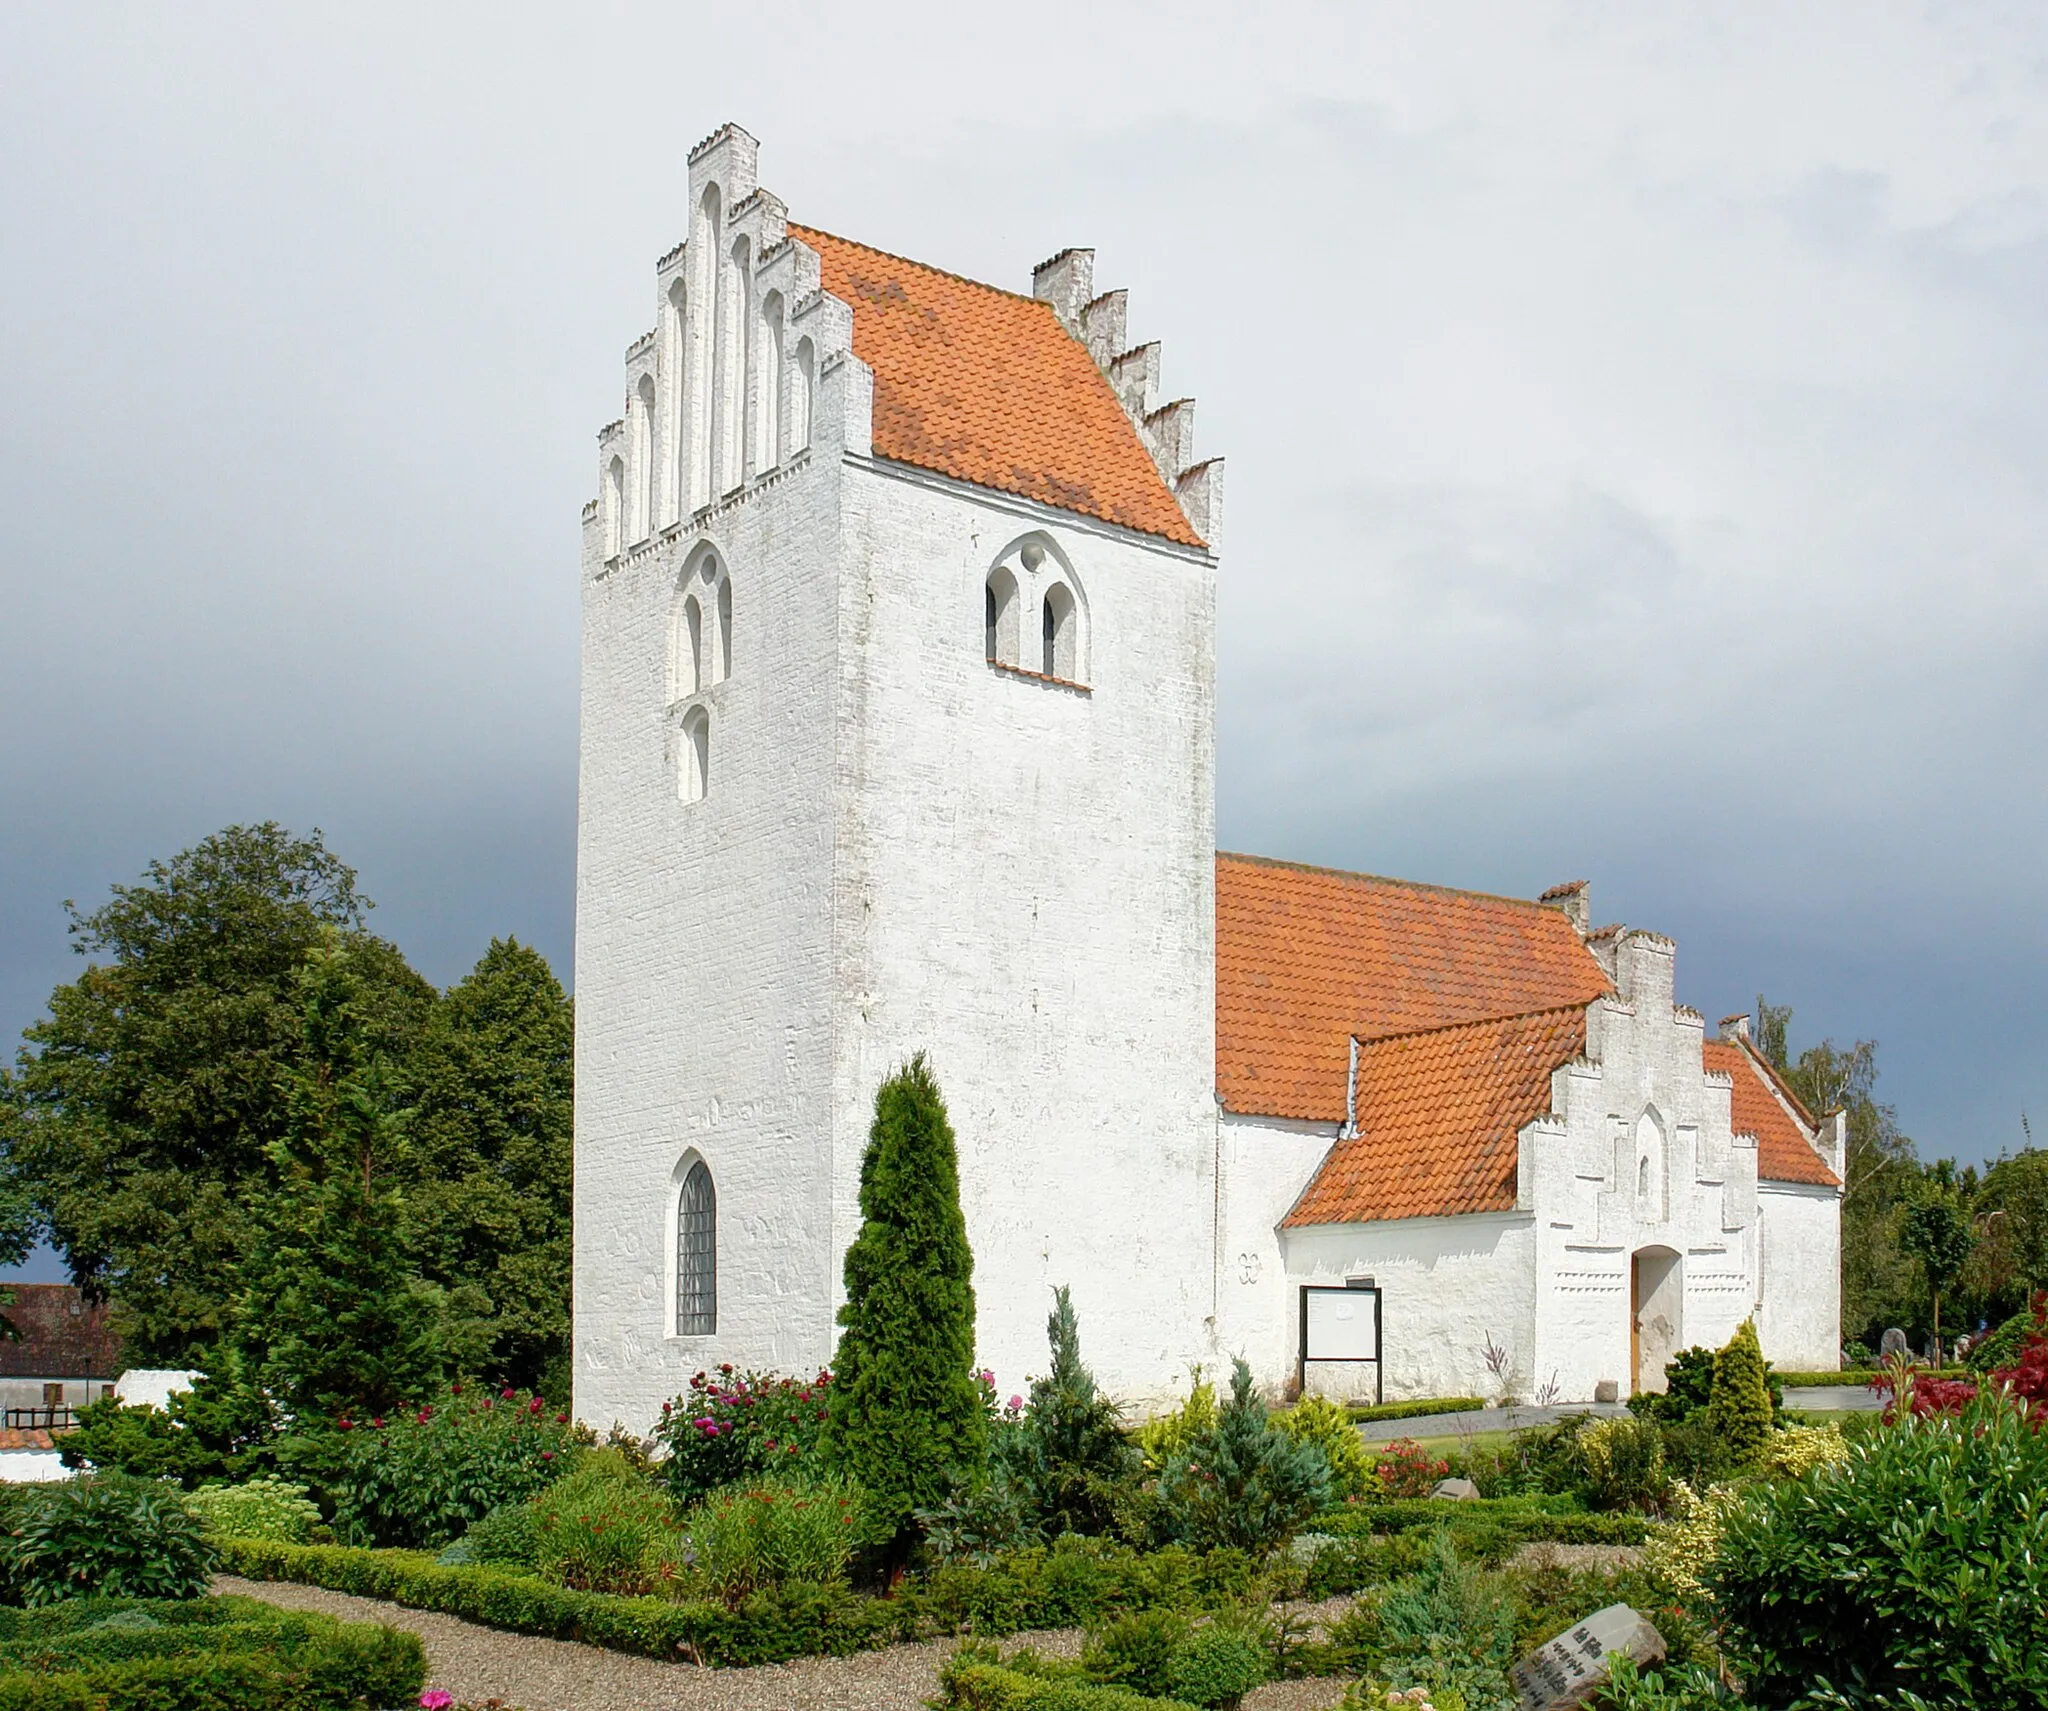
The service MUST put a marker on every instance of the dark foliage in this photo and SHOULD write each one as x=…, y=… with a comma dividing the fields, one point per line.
x=903, y=1410
x=1068, y=1456
x=1244, y=1483
x=104, y=1536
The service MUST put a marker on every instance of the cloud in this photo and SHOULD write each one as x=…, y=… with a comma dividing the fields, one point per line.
x=1634, y=421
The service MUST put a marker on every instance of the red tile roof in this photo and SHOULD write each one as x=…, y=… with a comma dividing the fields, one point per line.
x=1783, y=1152
x=61, y=1336
x=16, y=1438
x=1308, y=957
x=987, y=386
x=1438, y=1118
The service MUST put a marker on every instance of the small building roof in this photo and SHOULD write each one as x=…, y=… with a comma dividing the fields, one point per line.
x=1309, y=958
x=1438, y=1119
x=1764, y=1107
x=986, y=386
x=62, y=1335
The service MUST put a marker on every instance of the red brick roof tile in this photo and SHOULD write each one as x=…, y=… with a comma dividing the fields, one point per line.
x=987, y=387
x=1308, y=957
x=1783, y=1152
x=1438, y=1116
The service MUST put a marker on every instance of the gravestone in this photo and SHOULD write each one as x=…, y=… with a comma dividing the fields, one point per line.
x=1894, y=1343
x=1462, y=1490
x=1607, y=1390
x=1573, y=1667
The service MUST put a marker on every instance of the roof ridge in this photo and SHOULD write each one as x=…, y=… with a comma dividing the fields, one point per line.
x=792, y=228
x=1474, y=1022
x=1389, y=879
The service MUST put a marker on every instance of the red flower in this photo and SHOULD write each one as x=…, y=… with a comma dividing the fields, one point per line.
x=505, y=1395
x=533, y=1407
x=347, y=1425
x=563, y=1419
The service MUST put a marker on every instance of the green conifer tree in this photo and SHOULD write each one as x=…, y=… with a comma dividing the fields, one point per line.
x=1071, y=1454
x=330, y=1317
x=1739, y=1404
x=903, y=1409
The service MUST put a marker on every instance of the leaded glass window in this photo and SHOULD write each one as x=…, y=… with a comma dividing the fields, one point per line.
x=697, y=1255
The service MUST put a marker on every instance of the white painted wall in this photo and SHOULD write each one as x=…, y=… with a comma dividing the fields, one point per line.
x=1024, y=889
x=1799, y=1321
x=900, y=848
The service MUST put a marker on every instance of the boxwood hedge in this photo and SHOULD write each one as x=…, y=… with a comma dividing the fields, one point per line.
x=132, y=1654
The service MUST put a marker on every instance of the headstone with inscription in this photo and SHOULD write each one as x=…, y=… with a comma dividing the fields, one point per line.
x=1573, y=1667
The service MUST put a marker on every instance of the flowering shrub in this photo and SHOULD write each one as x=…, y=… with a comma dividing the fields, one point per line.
x=605, y=1529
x=262, y=1508
x=759, y=1536
x=422, y=1477
x=740, y=1425
x=1407, y=1470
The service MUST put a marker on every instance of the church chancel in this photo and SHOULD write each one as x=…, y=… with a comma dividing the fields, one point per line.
x=898, y=734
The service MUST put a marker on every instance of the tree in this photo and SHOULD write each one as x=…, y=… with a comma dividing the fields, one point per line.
x=1244, y=1483
x=1069, y=1453
x=1739, y=1403
x=488, y=1204
x=1936, y=1232
x=142, y=1108
x=1881, y=1171
x=330, y=1317
x=904, y=1411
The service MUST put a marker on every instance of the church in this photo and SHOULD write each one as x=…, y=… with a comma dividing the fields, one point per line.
x=898, y=735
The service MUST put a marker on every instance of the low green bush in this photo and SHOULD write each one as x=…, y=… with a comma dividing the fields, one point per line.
x=971, y=1683
x=604, y=1529
x=755, y=1538
x=1448, y=1629
x=1916, y=1564
x=1363, y=1412
x=1163, y=1654
x=1319, y=1421
x=1071, y=1583
x=209, y=1654
x=1243, y=1483
x=1623, y=1463
x=104, y=1535
x=508, y=1537
x=260, y=1508
x=2004, y=1346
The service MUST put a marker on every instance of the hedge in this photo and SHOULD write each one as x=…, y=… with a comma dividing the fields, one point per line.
x=1069, y=1584
x=200, y=1655
x=990, y=1687
x=1861, y=1375
x=1486, y=1525
x=1363, y=1413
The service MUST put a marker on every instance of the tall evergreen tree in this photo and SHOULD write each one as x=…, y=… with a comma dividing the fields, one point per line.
x=330, y=1317
x=903, y=1409
x=141, y=1110
x=1739, y=1404
x=489, y=1163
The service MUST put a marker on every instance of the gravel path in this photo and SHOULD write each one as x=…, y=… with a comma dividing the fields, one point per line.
x=476, y=1663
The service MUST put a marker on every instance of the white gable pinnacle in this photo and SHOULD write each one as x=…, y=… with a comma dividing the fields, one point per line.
x=1067, y=282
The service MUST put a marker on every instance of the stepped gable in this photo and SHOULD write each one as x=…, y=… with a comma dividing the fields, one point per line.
x=995, y=389
x=1759, y=1107
x=1439, y=1116
x=1308, y=958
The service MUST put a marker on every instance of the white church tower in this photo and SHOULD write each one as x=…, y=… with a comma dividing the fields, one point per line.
x=897, y=735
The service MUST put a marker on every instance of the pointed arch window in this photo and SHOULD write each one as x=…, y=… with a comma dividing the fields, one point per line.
x=614, y=507
x=693, y=759
x=697, y=1254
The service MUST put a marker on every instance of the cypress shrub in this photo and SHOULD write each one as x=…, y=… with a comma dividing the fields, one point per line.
x=903, y=1410
x=1740, y=1404
x=1069, y=1453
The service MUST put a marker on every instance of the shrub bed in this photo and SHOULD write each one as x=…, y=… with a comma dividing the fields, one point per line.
x=1075, y=1581
x=1363, y=1412
x=1860, y=1375
x=135, y=1654
x=990, y=1687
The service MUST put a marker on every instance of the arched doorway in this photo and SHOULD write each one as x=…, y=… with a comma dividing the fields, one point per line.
x=1656, y=1310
